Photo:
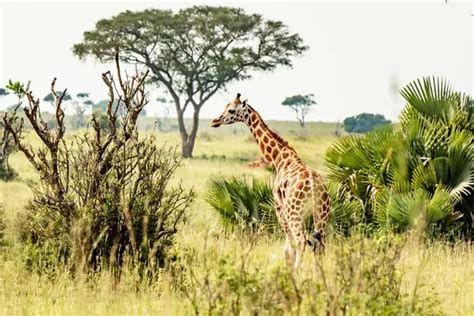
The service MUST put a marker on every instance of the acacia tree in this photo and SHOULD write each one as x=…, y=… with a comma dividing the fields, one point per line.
x=301, y=104
x=50, y=97
x=193, y=53
x=81, y=104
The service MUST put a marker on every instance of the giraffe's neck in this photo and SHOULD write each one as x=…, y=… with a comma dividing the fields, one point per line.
x=274, y=149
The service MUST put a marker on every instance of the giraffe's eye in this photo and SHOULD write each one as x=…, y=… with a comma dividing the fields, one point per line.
x=231, y=111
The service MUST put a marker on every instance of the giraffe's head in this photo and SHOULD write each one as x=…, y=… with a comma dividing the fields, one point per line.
x=235, y=111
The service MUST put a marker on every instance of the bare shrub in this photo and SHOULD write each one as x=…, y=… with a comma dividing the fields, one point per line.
x=104, y=200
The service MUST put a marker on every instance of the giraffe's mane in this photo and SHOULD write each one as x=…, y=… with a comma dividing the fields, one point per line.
x=273, y=134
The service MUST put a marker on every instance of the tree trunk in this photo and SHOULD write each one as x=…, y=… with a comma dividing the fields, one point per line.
x=188, y=140
x=187, y=149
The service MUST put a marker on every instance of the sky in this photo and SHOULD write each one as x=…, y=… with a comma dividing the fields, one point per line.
x=360, y=53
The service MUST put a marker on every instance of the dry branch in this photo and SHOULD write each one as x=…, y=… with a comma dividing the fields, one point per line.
x=108, y=192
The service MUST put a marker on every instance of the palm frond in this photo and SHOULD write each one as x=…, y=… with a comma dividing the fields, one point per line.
x=243, y=202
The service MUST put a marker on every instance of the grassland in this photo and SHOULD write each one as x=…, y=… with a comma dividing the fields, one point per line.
x=445, y=270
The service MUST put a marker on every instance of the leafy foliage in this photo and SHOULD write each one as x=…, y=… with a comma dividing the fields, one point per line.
x=18, y=88
x=194, y=52
x=424, y=167
x=244, y=203
x=346, y=210
x=363, y=123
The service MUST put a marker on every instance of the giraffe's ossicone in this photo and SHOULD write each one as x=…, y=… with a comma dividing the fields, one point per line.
x=297, y=188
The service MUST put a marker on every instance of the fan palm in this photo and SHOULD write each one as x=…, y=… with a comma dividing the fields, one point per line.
x=243, y=202
x=427, y=160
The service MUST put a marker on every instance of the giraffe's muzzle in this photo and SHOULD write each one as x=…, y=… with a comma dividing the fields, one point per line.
x=216, y=122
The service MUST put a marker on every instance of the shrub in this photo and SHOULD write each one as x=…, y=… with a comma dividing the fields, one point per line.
x=103, y=201
x=423, y=167
x=245, y=203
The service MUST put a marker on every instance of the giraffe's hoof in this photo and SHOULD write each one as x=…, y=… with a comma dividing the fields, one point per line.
x=316, y=241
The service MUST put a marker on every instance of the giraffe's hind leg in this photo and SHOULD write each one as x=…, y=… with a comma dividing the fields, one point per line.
x=294, y=212
x=299, y=238
x=283, y=220
x=320, y=216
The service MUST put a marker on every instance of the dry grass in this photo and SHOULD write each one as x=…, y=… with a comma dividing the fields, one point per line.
x=448, y=270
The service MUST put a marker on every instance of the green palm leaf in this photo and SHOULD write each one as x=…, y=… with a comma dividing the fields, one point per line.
x=243, y=202
x=425, y=165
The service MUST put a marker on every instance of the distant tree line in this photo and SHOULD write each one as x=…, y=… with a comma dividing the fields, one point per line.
x=363, y=123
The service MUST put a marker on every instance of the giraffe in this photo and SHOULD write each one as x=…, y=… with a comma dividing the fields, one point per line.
x=297, y=188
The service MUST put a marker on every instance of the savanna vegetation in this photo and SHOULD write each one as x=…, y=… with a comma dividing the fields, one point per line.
x=99, y=214
x=230, y=261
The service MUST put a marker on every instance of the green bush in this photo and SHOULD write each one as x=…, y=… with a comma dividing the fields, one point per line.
x=423, y=167
x=243, y=202
x=131, y=218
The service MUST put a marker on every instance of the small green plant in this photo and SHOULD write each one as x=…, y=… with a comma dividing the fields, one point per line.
x=243, y=202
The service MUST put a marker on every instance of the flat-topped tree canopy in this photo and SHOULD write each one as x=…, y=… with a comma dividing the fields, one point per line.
x=301, y=104
x=3, y=92
x=194, y=52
